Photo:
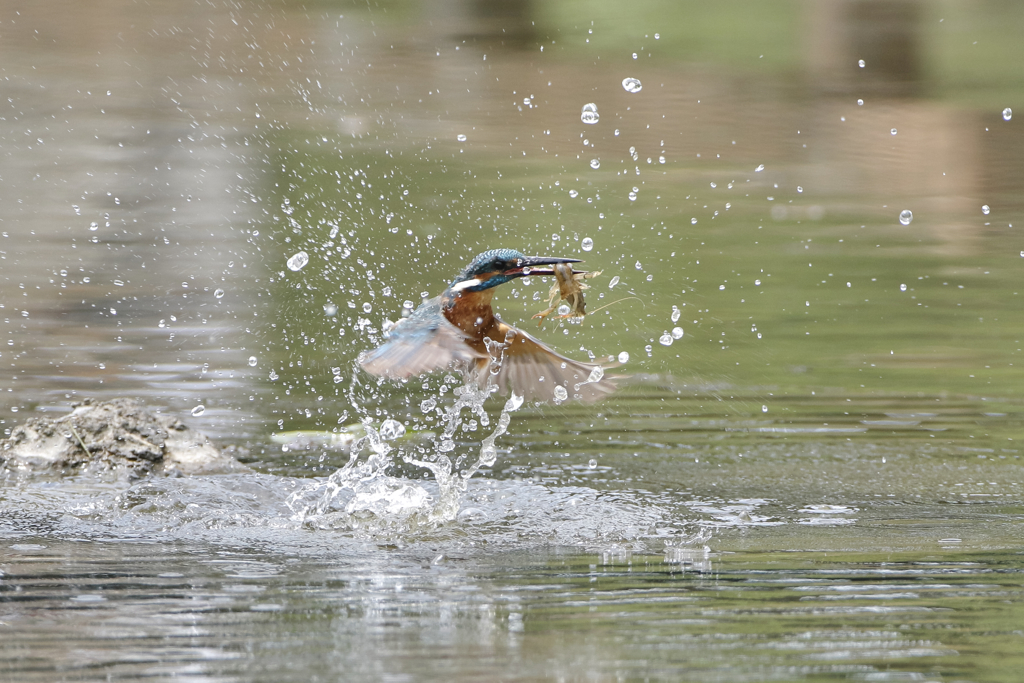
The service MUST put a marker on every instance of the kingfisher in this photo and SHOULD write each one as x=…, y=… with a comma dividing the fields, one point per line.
x=459, y=330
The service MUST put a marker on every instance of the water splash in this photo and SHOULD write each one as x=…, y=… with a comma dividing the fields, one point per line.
x=364, y=495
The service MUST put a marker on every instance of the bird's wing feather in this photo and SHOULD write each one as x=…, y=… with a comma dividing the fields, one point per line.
x=421, y=343
x=533, y=371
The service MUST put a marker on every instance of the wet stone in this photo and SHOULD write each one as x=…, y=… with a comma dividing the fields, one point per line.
x=122, y=433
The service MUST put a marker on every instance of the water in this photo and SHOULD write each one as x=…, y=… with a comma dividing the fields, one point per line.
x=632, y=85
x=821, y=480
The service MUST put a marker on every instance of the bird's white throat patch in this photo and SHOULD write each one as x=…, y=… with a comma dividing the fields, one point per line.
x=465, y=284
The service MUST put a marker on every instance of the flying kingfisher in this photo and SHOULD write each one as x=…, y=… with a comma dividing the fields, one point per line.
x=460, y=330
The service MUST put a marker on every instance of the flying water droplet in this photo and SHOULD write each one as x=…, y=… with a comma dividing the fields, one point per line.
x=639, y=266
x=860, y=103
x=595, y=164
x=252, y=361
x=367, y=307
x=893, y=131
x=985, y=210
x=592, y=464
x=860, y=63
x=624, y=357
x=428, y=405
x=632, y=85
x=666, y=339
x=391, y=429
x=596, y=374
x=677, y=332
x=218, y=293
x=460, y=137
x=906, y=215
x=1007, y=114
x=693, y=221
x=661, y=160
x=759, y=168
x=676, y=313
x=198, y=410
x=587, y=244
x=589, y=113
x=574, y=194
x=614, y=281
x=560, y=393
x=513, y=403
x=903, y=288
x=632, y=196
x=563, y=310
x=764, y=409
x=330, y=309
x=634, y=55
x=298, y=261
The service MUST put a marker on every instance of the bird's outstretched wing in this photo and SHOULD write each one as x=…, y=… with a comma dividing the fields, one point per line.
x=421, y=343
x=533, y=371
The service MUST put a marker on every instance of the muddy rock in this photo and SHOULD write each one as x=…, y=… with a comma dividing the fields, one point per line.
x=122, y=433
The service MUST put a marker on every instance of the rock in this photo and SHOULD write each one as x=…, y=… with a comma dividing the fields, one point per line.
x=119, y=433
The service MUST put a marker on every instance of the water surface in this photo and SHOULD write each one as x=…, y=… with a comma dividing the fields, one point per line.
x=818, y=479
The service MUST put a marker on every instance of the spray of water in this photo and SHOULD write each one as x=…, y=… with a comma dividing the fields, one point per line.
x=362, y=495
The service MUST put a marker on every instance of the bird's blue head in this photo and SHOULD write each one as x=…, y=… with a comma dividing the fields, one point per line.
x=498, y=266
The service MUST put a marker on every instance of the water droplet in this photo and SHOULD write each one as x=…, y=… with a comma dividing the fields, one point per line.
x=693, y=221
x=272, y=376
x=367, y=307
x=460, y=137
x=677, y=333
x=764, y=409
x=330, y=309
x=860, y=103
x=514, y=402
x=666, y=339
x=592, y=464
x=759, y=168
x=589, y=113
x=632, y=196
x=676, y=313
x=574, y=194
x=906, y=215
x=252, y=361
x=721, y=287
x=616, y=132
x=391, y=429
x=985, y=210
x=893, y=131
x=799, y=189
x=661, y=160
x=903, y=288
x=632, y=85
x=624, y=357
x=560, y=393
x=614, y=281
x=298, y=261
x=860, y=63
x=595, y=164
x=428, y=405
x=407, y=305
x=634, y=55
x=219, y=293
x=1007, y=114
x=587, y=244
x=639, y=266
x=596, y=374
x=757, y=283
x=198, y=410
x=564, y=309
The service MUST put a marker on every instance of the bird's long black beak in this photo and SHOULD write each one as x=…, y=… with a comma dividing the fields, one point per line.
x=535, y=265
